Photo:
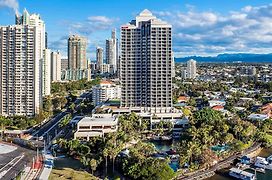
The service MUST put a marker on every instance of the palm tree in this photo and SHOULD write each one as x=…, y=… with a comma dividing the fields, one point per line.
x=65, y=121
x=106, y=154
x=237, y=129
x=93, y=164
x=193, y=132
x=83, y=150
x=73, y=145
x=4, y=122
x=84, y=160
x=113, y=153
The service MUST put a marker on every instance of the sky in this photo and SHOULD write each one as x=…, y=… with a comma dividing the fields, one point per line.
x=200, y=27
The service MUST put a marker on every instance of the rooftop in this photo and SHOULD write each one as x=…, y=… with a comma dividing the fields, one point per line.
x=258, y=116
x=105, y=82
x=99, y=119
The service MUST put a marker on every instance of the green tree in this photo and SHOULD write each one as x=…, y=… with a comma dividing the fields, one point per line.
x=65, y=120
x=93, y=165
x=106, y=154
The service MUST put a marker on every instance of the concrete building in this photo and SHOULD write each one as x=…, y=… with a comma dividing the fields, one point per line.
x=93, y=67
x=99, y=58
x=97, y=125
x=21, y=53
x=191, y=69
x=40, y=41
x=77, y=47
x=106, y=68
x=46, y=72
x=74, y=75
x=104, y=91
x=55, y=66
x=64, y=64
x=112, y=51
x=183, y=73
x=146, y=64
x=248, y=70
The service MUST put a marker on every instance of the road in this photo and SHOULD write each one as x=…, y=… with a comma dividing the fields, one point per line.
x=11, y=164
x=49, y=130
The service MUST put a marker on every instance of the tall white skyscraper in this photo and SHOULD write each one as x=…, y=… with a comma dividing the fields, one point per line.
x=55, y=66
x=191, y=69
x=40, y=43
x=46, y=72
x=112, y=51
x=99, y=57
x=146, y=63
x=19, y=95
x=21, y=53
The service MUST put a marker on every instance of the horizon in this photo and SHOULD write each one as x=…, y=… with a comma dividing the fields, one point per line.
x=199, y=29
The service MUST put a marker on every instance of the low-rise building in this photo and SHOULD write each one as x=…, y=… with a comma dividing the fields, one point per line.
x=96, y=125
x=258, y=117
x=267, y=109
x=106, y=68
x=183, y=99
x=213, y=103
x=218, y=108
x=74, y=75
x=104, y=91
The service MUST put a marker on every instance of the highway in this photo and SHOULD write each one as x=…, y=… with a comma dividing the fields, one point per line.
x=50, y=130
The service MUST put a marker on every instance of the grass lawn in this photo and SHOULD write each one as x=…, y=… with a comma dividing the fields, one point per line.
x=67, y=168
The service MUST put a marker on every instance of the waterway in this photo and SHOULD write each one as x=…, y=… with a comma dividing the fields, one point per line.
x=164, y=145
x=260, y=176
x=167, y=145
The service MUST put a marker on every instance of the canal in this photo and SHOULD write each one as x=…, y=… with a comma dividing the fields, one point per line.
x=223, y=175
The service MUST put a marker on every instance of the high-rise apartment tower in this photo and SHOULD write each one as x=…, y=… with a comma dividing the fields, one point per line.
x=77, y=47
x=191, y=69
x=99, y=57
x=146, y=63
x=55, y=66
x=112, y=51
x=21, y=53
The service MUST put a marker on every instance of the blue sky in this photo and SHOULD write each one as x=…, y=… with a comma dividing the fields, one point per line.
x=200, y=27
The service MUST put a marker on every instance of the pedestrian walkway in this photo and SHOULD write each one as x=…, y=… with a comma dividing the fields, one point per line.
x=47, y=167
x=26, y=173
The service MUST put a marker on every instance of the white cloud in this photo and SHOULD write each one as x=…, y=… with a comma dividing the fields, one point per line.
x=197, y=33
x=13, y=4
x=100, y=19
x=93, y=24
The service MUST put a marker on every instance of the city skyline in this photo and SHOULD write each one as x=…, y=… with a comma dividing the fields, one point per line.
x=198, y=28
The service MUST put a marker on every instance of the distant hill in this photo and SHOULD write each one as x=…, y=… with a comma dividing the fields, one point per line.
x=229, y=58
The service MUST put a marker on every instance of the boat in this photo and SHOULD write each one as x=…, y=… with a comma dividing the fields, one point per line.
x=261, y=162
x=240, y=174
x=261, y=170
x=171, y=152
x=245, y=160
x=174, y=158
x=269, y=160
x=242, y=166
x=161, y=138
x=166, y=138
